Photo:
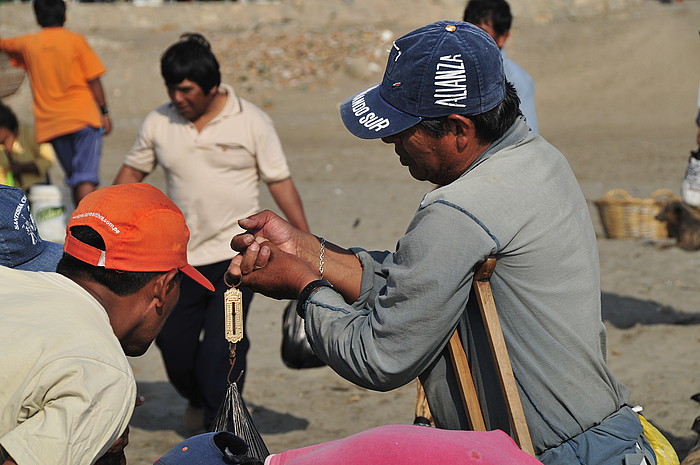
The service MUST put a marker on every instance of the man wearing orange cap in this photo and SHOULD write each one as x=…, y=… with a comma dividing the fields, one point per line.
x=68, y=391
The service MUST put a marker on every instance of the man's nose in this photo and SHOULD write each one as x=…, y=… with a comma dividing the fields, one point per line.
x=176, y=96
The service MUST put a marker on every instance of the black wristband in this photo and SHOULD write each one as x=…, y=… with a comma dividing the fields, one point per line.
x=104, y=110
x=306, y=294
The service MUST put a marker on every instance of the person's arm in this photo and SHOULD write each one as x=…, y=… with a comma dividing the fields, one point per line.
x=35, y=159
x=141, y=159
x=12, y=46
x=20, y=168
x=287, y=198
x=44, y=159
x=99, y=96
x=406, y=304
x=9, y=461
x=273, y=168
x=127, y=175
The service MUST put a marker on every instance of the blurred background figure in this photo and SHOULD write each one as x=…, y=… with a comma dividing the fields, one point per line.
x=494, y=17
x=70, y=107
x=23, y=162
x=690, y=187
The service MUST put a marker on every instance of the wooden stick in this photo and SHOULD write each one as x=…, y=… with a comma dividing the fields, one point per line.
x=466, y=384
x=422, y=408
x=489, y=314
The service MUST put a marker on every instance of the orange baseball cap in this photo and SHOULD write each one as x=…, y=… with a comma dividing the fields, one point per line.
x=143, y=231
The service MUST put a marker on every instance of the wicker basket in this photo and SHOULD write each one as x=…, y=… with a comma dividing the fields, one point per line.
x=10, y=77
x=627, y=217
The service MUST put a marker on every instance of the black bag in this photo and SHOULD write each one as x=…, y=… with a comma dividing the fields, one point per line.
x=296, y=350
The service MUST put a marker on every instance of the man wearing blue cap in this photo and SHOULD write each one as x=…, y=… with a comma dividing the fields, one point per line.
x=21, y=246
x=381, y=319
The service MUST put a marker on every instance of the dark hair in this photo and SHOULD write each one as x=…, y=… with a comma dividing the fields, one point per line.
x=8, y=119
x=190, y=58
x=50, y=13
x=493, y=12
x=488, y=126
x=122, y=283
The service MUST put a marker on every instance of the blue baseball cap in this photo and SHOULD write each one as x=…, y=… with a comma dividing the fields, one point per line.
x=21, y=247
x=443, y=68
x=218, y=448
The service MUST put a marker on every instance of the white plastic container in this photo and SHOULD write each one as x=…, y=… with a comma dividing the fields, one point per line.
x=49, y=212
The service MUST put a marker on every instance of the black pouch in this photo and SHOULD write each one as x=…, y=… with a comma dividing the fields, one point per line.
x=296, y=350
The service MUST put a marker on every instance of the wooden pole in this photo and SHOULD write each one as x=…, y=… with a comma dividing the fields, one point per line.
x=423, y=415
x=470, y=399
x=489, y=314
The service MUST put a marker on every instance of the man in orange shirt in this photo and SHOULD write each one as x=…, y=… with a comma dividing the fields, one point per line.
x=70, y=109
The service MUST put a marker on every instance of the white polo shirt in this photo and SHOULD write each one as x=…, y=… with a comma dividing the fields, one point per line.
x=212, y=175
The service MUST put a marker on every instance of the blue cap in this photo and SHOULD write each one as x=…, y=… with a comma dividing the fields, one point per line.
x=21, y=246
x=219, y=448
x=443, y=68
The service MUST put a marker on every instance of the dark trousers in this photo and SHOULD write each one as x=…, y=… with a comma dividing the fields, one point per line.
x=193, y=346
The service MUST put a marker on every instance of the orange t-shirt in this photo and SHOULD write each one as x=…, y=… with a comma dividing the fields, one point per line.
x=59, y=63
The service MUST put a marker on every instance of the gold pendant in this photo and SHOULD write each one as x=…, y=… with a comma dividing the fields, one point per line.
x=233, y=315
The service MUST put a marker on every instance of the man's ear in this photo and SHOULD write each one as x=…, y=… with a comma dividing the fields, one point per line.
x=501, y=40
x=463, y=130
x=163, y=285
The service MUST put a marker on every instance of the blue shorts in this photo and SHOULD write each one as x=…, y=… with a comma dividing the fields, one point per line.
x=79, y=154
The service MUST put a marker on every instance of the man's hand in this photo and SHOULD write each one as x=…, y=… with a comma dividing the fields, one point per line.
x=115, y=454
x=106, y=124
x=270, y=271
x=112, y=458
x=121, y=443
x=294, y=249
x=270, y=226
x=253, y=258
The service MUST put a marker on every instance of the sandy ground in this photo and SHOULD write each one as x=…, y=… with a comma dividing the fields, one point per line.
x=616, y=92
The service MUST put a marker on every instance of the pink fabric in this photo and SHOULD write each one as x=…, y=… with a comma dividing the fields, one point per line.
x=411, y=445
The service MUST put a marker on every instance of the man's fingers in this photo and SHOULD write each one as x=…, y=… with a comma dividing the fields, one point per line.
x=263, y=257
x=254, y=221
x=249, y=258
x=240, y=242
x=233, y=276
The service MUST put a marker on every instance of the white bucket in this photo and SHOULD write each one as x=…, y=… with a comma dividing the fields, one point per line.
x=49, y=212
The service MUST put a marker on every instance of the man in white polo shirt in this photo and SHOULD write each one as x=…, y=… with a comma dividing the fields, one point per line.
x=215, y=148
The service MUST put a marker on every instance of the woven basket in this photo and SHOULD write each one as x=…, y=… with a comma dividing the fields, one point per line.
x=627, y=217
x=10, y=77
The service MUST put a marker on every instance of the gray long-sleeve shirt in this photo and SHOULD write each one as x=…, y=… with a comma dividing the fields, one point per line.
x=519, y=202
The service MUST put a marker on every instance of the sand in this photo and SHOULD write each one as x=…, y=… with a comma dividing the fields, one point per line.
x=616, y=92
